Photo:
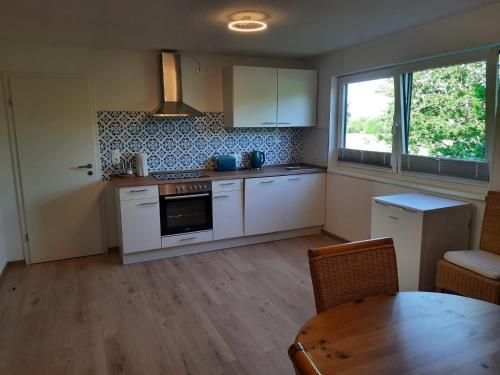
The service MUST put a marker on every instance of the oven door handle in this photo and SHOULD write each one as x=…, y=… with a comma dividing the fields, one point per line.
x=172, y=198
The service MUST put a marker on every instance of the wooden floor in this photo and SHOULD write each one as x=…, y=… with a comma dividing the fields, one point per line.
x=232, y=311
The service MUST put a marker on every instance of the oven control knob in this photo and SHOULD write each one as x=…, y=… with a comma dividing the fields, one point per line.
x=177, y=189
x=199, y=187
x=190, y=188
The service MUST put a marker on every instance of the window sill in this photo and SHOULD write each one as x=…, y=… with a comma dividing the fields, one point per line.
x=470, y=190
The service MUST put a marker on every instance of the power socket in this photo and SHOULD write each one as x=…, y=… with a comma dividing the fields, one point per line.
x=115, y=156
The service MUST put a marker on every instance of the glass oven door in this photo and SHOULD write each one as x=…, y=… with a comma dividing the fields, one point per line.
x=185, y=213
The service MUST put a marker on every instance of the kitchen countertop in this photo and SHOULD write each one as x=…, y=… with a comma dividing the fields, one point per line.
x=268, y=171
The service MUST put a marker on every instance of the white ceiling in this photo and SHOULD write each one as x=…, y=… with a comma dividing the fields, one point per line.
x=296, y=28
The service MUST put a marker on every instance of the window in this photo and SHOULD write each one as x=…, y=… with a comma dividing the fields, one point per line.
x=368, y=108
x=434, y=122
x=369, y=115
x=448, y=108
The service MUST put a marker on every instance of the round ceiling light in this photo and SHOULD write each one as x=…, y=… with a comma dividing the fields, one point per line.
x=247, y=26
x=247, y=22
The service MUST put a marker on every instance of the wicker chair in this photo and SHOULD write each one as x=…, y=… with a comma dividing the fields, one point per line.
x=302, y=361
x=352, y=271
x=458, y=278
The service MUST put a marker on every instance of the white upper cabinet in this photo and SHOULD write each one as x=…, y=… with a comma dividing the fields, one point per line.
x=305, y=200
x=250, y=97
x=297, y=90
x=269, y=97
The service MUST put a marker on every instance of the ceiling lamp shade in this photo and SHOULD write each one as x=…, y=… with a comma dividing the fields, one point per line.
x=247, y=26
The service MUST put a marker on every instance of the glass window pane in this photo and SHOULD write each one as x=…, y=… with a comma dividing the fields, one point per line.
x=448, y=111
x=369, y=115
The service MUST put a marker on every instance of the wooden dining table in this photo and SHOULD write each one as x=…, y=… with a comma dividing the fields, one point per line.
x=407, y=333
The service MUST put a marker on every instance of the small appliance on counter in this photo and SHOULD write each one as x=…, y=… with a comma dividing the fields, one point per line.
x=141, y=164
x=225, y=163
x=257, y=159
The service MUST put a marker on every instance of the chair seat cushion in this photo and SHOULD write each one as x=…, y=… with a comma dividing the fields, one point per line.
x=482, y=262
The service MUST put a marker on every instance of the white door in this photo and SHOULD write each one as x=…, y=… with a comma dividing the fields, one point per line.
x=265, y=205
x=405, y=228
x=55, y=127
x=305, y=200
x=297, y=92
x=228, y=214
x=254, y=96
x=141, y=229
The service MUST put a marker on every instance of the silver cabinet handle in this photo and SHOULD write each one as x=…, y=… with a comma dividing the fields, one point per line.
x=138, y=191
x=393, y=217
x=284, y=123
x=175, y=197
x=148, y=204
x=187, y=239
x=221, y=196
x=266, y=182
x=227, y=183
x=294, y=179
x=269, y=123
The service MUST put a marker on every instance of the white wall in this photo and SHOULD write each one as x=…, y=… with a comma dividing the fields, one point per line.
x=348, y=198
x=124, y=80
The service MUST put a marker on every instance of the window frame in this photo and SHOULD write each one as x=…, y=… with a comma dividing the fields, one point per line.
x=490, y=55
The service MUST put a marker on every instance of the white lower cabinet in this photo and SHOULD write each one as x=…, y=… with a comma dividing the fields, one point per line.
x=140, y=224
x=228, y=214
x=265, y=205
x=305, y=200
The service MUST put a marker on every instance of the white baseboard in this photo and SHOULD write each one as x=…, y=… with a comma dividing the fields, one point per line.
x=215, y=245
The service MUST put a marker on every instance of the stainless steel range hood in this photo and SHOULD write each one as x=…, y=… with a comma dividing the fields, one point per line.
x=172, y=105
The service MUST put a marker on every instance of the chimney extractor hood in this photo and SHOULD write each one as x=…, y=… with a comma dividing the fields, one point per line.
x=172, y=105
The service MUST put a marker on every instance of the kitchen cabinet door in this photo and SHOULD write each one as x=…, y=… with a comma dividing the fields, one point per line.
x=305, y=200
x=228, y=214
x=265, y=205
x=250, y=95
x=297, y=92
x=140, y=224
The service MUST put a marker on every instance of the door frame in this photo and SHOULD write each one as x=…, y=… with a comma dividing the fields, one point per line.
x=14, y=152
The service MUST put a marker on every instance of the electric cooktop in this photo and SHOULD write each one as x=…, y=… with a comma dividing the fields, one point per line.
x=179, y=176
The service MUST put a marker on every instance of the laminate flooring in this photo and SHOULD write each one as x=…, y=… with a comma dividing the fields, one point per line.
x=232, y=311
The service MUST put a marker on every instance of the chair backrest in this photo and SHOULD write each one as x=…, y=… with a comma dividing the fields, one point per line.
x=352, y=271
x=490, y=232
x=302, y=361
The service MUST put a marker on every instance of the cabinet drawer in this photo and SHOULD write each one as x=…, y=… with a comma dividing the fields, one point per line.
x=187, y=238
x=138, y=192
x=227, y=185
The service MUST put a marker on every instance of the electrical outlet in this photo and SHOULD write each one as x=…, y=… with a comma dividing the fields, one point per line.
x=115, y=156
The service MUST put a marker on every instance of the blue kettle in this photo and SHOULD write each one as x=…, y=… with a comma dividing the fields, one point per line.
x=257, y=159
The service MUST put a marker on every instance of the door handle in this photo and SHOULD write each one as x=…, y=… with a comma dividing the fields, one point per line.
x=86, y=166
x=176, y=197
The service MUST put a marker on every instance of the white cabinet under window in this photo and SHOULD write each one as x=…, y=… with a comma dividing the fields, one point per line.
x=140, y=220
x=265, y=205
x=423, y=228
x=269, y=97
x=305, y=200
x=227, y=197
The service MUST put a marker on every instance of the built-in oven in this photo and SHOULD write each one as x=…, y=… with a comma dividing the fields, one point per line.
x=185, y=207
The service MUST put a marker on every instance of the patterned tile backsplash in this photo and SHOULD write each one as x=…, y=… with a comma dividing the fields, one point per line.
x=190, y=143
